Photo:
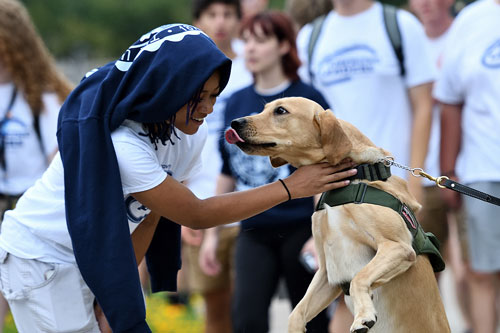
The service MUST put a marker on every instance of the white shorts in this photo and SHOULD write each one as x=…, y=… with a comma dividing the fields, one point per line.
x=46, y=297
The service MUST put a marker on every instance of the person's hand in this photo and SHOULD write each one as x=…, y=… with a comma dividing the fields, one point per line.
x=309, y=247
x=312, y=179
x=309, y=255
x=191, y=236
x=101, y=319
x=208, y=254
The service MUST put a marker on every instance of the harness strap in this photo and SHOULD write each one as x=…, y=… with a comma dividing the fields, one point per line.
x=423, y=242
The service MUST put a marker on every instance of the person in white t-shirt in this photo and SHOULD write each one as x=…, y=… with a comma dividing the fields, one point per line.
x=355, y=67
x=31, y=93
x=129, y=134
x=469, y=91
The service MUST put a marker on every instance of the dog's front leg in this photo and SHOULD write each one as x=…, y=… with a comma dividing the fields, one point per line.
x=318, y=296
x=392, y=259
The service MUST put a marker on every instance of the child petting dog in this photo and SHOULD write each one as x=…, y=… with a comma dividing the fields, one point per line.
x=128, y=135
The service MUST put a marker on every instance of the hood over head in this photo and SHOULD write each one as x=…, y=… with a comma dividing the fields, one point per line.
x=152, y=80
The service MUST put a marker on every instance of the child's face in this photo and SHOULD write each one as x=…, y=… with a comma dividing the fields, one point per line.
x=205, y=106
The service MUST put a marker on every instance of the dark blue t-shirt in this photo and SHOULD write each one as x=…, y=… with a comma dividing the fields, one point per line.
x=250, y=171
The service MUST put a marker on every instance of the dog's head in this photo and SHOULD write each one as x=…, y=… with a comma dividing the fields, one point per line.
x=292, y=130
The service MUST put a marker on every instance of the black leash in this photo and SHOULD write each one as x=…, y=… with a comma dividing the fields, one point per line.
x=446, y=182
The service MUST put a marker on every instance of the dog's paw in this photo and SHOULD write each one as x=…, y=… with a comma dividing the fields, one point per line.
x=363, y=325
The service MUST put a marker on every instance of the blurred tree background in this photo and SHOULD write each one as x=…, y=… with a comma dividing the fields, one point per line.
x=84, y=34
x=105, y=28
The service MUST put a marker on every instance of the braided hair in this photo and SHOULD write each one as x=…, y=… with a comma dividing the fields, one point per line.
x=162, y=131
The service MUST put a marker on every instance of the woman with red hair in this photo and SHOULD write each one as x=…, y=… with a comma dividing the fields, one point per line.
x=269, y=244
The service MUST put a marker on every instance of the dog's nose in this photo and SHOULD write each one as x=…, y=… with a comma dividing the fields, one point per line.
x=238, y=123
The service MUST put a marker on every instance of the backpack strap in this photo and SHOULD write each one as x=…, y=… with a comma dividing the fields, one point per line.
x=313, y=38
x=5, y=118
x=36, y=125
x=392, y=28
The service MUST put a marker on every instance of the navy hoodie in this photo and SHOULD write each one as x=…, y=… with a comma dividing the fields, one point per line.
x=153, y=79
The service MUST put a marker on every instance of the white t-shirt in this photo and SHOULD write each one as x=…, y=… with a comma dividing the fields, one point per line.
x=204, y=183
x=24, y=157
x=37, y=229
x=471, y=75
x=437, y=46
x=356, y=69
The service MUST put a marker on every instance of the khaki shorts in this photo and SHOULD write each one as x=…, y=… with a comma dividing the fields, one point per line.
x=199, y=281
x=433, y=215
x=460, y=219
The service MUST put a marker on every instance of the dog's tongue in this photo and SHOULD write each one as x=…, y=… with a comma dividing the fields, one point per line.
x=232, y=137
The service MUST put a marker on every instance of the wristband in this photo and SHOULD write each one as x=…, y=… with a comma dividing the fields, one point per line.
x=286, y=188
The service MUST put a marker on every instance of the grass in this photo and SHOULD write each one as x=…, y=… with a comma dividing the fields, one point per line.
x=162, y=316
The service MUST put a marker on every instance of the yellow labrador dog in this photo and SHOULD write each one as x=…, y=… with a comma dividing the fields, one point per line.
x=392, y=289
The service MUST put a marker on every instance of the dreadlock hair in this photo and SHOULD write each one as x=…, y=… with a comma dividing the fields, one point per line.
x=26, y=59
x=162, y=131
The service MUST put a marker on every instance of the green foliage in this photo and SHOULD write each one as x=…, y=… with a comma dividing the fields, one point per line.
x=101, y=28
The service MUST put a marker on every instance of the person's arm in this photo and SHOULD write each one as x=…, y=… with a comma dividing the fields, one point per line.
x=451, y=133
x=421, y=103
x=177, y=203
x=207, y=260
x=143, y=234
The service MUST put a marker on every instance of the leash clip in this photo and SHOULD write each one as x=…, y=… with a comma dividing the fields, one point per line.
x=441, y=179
x=438, y=180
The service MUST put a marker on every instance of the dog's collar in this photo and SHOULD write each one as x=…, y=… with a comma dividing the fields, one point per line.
x=423, y=242
x=372, y=172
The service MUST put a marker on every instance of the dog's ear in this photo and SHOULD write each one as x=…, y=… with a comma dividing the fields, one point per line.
x=277, y=161
x=336, y=144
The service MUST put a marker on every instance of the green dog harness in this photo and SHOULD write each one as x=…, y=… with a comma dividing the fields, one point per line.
x=423, y=242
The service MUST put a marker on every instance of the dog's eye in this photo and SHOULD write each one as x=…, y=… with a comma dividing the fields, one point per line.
x=280, y=110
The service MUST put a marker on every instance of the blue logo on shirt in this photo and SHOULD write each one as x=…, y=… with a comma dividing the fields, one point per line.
x=345, y=63
x=136, y=212
x=491, y=58
x=251, y=171
x=14, y=131
x=168, y=169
